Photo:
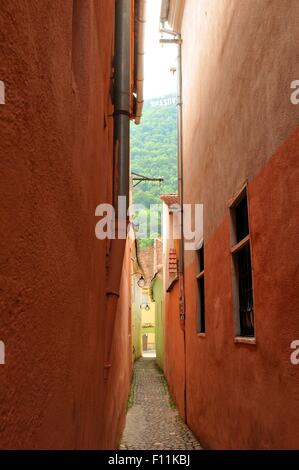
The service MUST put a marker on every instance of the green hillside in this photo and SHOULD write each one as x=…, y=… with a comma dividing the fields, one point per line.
x=154, y=150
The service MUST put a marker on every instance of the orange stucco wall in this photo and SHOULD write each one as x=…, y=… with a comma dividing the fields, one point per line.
x=238, y=395
x=239, y=124
x=236, y=94
x=117, y=389
x=56, y=149
x=174, y=362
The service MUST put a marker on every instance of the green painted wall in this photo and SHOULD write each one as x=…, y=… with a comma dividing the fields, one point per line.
x=157, y=290
x=136, y=331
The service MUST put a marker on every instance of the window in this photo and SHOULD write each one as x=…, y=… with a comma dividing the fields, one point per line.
x=201, y=321
x=242, y=270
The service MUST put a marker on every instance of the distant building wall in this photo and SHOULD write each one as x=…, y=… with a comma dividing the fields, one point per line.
x=174, y=360
x=174, y=364
x=136, y=331
x=148, y=316
x=148, y=323
x=136, y=319
x=56, y=166
x=158, y=295
x=239, y=124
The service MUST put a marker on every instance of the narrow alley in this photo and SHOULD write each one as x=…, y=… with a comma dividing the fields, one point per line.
x=153, y=422
x=149, y=261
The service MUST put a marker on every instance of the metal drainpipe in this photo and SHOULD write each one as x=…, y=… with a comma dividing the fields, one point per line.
x=122, y=155
x=141, y=20
x=122, y=93
x=177, y=39
x=181, y=198
x=180, y=178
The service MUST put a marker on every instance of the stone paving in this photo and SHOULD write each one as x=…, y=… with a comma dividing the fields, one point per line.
x=153, y=422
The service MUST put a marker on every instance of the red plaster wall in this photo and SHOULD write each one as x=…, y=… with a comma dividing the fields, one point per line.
x=236, y=94
x=117, y=389
x=56, y=149
x=239, y=124
x=247, y=396
x=174, y=362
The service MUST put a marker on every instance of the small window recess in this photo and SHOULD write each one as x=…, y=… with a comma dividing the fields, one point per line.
x=243, y=299
x=200, y=292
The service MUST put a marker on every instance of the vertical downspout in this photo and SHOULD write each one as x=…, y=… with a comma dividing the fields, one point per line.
x=180, y=178
x=121, y=178
x=181, y=200
x=181, y=197
x=122, y=94
x=177, y=39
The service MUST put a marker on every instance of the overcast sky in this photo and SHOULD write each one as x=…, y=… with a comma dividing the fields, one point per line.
x=159, y=80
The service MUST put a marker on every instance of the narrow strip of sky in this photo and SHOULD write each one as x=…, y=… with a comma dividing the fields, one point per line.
x=159, y=81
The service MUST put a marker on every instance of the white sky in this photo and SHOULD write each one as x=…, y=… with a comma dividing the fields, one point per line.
x=159, y=80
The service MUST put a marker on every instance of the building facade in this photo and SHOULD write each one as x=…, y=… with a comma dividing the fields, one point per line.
x=57, y=165
x=240, y=160
x=174, y=357
x=147, y=300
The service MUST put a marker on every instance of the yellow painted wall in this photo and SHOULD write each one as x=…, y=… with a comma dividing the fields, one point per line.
x=148, y=316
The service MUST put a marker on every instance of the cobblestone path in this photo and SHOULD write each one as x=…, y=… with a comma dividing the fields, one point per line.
x=153, y=423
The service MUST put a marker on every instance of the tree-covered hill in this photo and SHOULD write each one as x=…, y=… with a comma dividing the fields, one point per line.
x=154, y=150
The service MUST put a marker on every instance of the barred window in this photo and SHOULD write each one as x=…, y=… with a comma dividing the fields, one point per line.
x=201, y=319
x=242, y=269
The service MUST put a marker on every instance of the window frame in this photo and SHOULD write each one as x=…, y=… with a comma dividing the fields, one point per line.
x=235, y=248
